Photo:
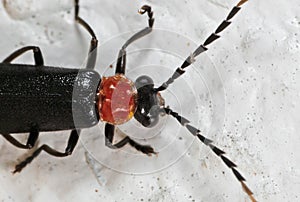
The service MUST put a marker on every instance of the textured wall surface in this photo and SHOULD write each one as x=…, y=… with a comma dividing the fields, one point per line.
x=243, y=93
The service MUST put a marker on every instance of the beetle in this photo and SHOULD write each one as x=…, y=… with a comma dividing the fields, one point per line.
x=54, y=98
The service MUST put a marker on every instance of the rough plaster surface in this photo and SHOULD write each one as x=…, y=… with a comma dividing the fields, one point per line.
x=244, y=95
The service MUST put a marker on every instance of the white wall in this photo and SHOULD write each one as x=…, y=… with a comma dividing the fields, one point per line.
x=251, y=76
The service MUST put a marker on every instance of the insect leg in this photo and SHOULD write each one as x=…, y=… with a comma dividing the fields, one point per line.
x=92, y=54
x=109, y=135
x=202, y=48
x=196, y=132
x=32, y=138
x=73, y=139
x=121, y=62
x=37, y=54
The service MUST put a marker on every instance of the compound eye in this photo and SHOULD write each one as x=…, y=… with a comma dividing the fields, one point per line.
x=149, y=122
x=153, y=121
x=154, y=116
x=143, y=81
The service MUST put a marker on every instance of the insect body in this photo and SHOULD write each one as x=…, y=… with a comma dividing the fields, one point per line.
x=44, y=100
x=50, y=98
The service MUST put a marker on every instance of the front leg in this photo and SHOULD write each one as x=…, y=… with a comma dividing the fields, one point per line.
x=109, y=136
x=121, y=61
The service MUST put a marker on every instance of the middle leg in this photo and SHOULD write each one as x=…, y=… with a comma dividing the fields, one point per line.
x=92, y=54
x=37, y=54
x=73, y=139
x=31, y=140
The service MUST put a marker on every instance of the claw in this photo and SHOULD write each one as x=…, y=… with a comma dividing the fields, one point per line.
x=144, y=9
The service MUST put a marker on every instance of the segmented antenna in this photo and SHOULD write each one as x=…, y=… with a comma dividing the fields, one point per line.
x=196, y=132
x=202, y=48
